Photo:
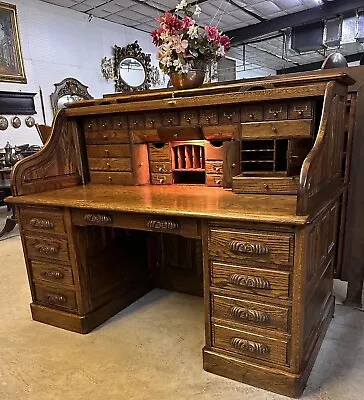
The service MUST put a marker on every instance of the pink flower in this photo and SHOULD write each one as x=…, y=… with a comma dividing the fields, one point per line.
x=225, y=41
x=212, y=33
x=179, y=45
x=187, y=22
x=170, y=22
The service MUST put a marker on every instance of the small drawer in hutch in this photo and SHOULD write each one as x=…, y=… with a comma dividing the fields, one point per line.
x=257, y=281
x=277, y=130
x=209, y=116
x=90, y=124
x=56, y=297
x=160, y=167
x=103, y=151
x=158, y=152
x=214, y=167
x=275, y=111
x=119, y=122
x=266, y=247
x=109, y=164
x=153, y=120
x=214, y=180
x=170, y=118
x=229, y=115
x=161, y=179
x=268, y=185
x=53, y=249
x=251, y=113
x=105, y=123
x=300, y=109
x=221, y=132
x=55, y=273
x=115, y=178
x=136, y=121
x=113, y=136
x=253, y=345
x=41, y=219
x=189, y=118
x=237, y=311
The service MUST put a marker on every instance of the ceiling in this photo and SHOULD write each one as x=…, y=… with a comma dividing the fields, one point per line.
x=226, y=14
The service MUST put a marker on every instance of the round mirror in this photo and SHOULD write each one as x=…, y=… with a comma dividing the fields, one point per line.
x=132, y=72
x=67, y=98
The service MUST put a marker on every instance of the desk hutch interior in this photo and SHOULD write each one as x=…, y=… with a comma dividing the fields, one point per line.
x=232, y=192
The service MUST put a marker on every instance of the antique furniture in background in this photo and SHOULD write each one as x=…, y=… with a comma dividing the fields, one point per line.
x=231, y=191
x=67, y=91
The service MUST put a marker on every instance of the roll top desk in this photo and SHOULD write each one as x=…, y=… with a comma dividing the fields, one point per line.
x=229, y=191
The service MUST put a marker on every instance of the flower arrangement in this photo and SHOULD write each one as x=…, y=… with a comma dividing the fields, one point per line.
x=183, y=45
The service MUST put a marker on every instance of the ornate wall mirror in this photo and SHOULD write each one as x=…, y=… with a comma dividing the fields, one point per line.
x=132, y=68
x=68, y=91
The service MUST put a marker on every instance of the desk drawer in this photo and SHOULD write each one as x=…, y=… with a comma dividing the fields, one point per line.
x=246, y=245
x=158, y=152
x=53, y=249
x=254, y=313
x=258, y=281
x=103, y=151
x=220, y=132
x=42, y=219
x=215, y=180
x=115, y=178
x=258, y=346
x=63, y=298
x=160, y=167
x=277, y=129
x=188, y=227
x=161, y=179
x=109, y=164
x=105, y=137
x=52, y=273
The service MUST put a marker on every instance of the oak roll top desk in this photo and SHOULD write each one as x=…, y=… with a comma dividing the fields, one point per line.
x=230, y=191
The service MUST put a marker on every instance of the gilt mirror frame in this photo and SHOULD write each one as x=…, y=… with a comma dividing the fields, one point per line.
x=69, y=86
x=132, y=50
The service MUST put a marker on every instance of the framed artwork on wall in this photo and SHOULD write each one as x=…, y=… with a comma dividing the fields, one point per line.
x=11, y=59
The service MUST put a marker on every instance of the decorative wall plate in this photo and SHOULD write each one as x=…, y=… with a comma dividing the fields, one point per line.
x=4, y=123
x=16, y=122
x=29, y=121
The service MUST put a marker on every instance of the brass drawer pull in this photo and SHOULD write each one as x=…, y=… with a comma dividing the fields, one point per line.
x=56, y=299
x=249, y=315
x=217, y=168
x=248, y=281
x=165, y=225
x=41, y=223
x=250, y=248
x=98, y=218
x=43, y=248
x=251, y=347
x=53, y=274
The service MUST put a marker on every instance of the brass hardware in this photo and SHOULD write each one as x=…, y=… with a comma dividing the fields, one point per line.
x=56, y=299
x=172, y=102
x=216, y=168
x=105, y=137
x=41, y=223
x=135, y=123
x=163, y=224
x=248, y=281
x=266, y=186
x=208, y=119
x=233, y=165
x=249, y=248
x=107, y=151
x=188, y=120
x=110, y=178
x=161, y=180
x=251, y=347
x=104, y=124
x=251, y=116
x=249, y=315
x=228, y=116
x=53, y=274
x=120, y=124
x=89, y=126
x=108, y=165
x=274, y=129
x=176, y=135
x=300, y=113
x=170, y=121
x=152, y=122
x=275, y=114
x=218, y=181
x=98, y=218
x=43, y=248
x=161, y=169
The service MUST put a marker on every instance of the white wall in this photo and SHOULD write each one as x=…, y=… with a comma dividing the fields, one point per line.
x=58, y=43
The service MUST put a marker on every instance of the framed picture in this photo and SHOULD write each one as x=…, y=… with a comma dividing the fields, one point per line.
x=11, y=60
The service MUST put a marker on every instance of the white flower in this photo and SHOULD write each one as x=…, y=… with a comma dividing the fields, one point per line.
x=181, y=5
x=197, y=11
x=193, y=32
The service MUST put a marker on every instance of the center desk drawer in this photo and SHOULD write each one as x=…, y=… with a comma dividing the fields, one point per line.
x=270, y=247
x=54, y=249
x=188, y=227
x=256, y=281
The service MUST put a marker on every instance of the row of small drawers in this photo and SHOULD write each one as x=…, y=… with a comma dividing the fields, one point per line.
x=204, y=116
x=253, y=328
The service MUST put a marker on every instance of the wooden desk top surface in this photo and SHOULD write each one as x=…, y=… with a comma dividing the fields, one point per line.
x=181, y=200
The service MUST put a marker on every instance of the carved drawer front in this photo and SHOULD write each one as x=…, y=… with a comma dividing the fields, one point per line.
x=221, y=132
x=42, y=219
x=109, y=164
x=52, y=273
x=214, y=167
x=136, y=121
x=53, y=249
x=160, y=167
x=115, y=178
x=119, y=122
x=277, y=130
x=100, y=137
x=275, y=111
x=246, y=245
x=161, y=179
x=229, y=115
x=214, y=180
x=170, y=118
x=209, y=116
x=258, y=281
x=238, y=311
x=252, y=113
x=300, y=109
x=54, y=297
x=258, y=346
x=214, y=150
x=105, y=151
x=158, y=152
x=189, y=118
x=153, y=120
